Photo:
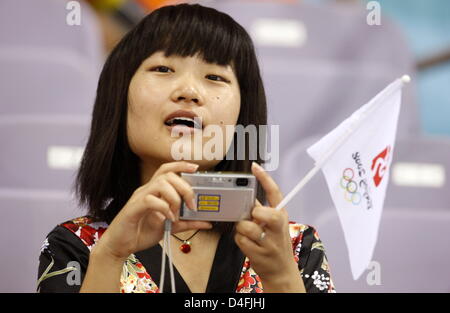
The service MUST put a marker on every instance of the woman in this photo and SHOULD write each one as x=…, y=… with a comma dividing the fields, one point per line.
x=185, y=61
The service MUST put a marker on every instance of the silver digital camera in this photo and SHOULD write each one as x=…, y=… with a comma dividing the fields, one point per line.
x=220, y=196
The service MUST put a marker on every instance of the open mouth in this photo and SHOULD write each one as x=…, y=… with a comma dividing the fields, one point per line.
x=184, y=122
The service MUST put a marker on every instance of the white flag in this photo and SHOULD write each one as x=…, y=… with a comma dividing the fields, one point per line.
x=355, y=158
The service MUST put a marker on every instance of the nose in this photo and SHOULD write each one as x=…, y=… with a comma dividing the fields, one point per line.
x=187, y=92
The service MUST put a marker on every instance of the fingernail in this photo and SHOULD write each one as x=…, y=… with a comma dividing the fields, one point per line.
x=193, y=167
x=193, y=205
x=190, y=204
x=257, y=167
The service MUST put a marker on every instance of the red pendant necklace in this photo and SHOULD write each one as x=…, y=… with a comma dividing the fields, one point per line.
x=186, y=244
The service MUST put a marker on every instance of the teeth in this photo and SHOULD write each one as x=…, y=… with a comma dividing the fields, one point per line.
x=194, y=121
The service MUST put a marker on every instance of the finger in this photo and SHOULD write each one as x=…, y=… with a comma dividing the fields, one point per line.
x=160, y=216
x=273, y=193
x=168, y=193
x=247, y=246
x=251, y=230
x=181, y=225
x=269, y=217
x=183, y=188
x=176, y=167
x=259, y=204
x=151, y=203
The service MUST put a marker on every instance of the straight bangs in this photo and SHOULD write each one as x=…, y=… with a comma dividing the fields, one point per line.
x=213, y=36
x=188, y=30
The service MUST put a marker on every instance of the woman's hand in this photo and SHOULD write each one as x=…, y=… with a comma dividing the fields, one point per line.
x=140, y=223
x=271, y=255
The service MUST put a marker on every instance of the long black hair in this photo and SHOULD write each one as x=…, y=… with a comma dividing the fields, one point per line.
x=109, y=170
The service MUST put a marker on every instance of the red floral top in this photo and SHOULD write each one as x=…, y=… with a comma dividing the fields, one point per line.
x=65, y=255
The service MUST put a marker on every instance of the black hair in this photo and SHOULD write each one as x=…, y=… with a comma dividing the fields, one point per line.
x=109, y=170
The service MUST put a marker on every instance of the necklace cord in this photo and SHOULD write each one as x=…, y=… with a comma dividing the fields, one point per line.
x=188, y=238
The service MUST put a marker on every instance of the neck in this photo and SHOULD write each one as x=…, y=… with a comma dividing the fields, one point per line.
x=184, y=235
x=148, y=169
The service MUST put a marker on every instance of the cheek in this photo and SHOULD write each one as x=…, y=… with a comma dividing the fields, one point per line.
x=134, y=127
x=226, y=108
x=142, y=116
x=226, y=113
x=143, y=99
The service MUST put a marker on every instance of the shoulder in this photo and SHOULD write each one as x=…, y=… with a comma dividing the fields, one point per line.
x=65, y=254
x=302, y=233
x=309, y=252
x=296, y=229
x=86, y=229
x=305, y=239
x=77, y=235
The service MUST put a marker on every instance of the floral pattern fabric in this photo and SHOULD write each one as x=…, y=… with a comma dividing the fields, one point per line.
x=308, y=251
x=135, y=279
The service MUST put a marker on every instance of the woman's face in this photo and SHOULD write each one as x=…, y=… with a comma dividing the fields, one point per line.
x=164, y=88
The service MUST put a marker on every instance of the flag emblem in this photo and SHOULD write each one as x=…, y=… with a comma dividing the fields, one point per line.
x=379, y=164
x=350, y=187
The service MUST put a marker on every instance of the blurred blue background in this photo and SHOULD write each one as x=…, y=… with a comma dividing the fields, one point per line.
x=427, y=27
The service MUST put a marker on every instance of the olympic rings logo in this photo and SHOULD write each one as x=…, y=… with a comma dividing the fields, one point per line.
x=350, y=186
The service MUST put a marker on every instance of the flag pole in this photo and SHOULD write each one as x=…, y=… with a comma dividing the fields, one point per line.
x=406, y=79
x=299, y=186
x=318, y=166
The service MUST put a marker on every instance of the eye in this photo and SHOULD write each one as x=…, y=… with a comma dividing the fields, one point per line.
x=161, y=69
x=217, y=78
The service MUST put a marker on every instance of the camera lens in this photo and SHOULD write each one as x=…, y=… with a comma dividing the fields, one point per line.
x=242, y=182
